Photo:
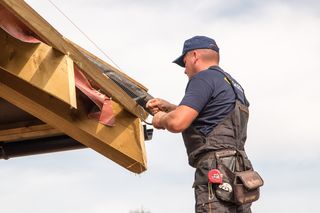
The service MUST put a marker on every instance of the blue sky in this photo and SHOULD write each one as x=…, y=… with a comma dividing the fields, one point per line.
x=270, y=47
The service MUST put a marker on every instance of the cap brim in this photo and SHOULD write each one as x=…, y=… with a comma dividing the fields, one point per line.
x=180, y=61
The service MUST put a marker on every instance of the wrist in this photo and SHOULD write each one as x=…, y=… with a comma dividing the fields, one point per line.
x=162, y=119
x=173, y=107
x=170, y=108
x=158, y=120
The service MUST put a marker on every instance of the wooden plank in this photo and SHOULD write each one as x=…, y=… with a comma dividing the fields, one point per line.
x=28, y=132
x=49, y=35
x=40, y=65
x=122, y=143
x=71, y=80
x=107, y=65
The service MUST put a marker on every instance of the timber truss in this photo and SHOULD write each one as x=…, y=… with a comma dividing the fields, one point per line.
x=55, y=96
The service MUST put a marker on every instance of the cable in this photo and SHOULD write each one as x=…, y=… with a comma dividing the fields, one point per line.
x=146, y=122
x=84, y=34
x=89, y=39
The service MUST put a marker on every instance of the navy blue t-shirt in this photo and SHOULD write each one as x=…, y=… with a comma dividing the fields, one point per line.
x=210, y=93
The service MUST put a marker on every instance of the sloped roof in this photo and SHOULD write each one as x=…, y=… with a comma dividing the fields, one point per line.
x=24, y=83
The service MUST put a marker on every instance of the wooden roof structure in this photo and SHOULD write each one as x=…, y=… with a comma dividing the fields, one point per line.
x=43, y=109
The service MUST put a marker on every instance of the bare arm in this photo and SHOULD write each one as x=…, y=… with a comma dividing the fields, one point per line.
x=175, y=121
x=158, y=104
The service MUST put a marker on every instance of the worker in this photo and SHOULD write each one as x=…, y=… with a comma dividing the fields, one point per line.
x=212, y=116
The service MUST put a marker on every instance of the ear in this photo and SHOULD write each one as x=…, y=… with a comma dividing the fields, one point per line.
x=195, y=56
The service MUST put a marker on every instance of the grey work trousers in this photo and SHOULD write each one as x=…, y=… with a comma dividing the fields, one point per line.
x=204, y=205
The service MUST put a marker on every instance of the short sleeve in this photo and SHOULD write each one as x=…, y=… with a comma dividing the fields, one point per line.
x=198, y=93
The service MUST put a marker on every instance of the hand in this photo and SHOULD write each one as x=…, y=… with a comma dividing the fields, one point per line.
x=156, y=121
x=155, y=105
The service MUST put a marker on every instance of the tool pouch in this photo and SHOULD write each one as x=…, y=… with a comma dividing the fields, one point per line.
x=246, y=187
x=224, y=191
x=226, y=163
x=240, y=183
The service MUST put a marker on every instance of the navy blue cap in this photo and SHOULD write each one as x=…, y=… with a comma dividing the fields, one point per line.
x=196, y=42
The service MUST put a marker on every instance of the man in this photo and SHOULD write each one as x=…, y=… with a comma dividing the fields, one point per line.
x=212, y=116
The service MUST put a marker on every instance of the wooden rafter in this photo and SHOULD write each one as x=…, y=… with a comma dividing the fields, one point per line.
x=28, y=132
x=53, y=38
x=124, y=143
x=106, y=64
x=40, y=65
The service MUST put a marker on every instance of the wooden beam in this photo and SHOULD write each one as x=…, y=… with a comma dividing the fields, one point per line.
x=27, y=133
x=107, y=65
x=123, y=143
x=52, y=37
x=40, y=65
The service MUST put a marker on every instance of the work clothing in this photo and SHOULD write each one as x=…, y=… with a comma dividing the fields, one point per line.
x=229, y=133
x=211, y=95
x=216, y=205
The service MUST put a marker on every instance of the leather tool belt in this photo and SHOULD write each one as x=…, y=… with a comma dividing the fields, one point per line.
x=240, y=184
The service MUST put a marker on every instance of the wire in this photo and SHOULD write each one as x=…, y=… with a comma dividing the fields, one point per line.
x=84, y=34
x=89, y=39
x=146, y=122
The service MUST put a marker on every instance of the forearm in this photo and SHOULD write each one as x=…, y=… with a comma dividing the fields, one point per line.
x=170, y=107
x=169, y=122
x=175, y=121
x=158, y=104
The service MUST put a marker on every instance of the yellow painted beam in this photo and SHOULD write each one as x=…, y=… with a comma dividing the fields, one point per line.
x=40, y=65
x=123, y=143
